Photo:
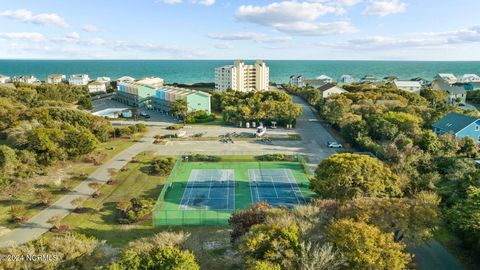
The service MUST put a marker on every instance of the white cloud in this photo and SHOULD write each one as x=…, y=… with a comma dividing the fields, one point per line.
x=90, y=28
x=199, y=2
x=384, y=8
x=223, y=45
x=411, y=40
x=296, y=17
x=204, y=2
x=23, y=36
x=40, y=19
x=257, y=37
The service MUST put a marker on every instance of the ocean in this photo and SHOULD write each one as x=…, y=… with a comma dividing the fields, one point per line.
x=194, y=71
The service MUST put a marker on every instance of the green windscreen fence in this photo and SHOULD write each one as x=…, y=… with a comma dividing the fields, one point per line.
x=181, y=203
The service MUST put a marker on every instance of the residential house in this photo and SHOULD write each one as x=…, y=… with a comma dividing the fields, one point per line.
x=26, y=79
x=105, y=80
x=297, y=81
x=330, y=89
x=446, y=77
x=347, y=79
x=472, y=86
x=368, y=79
x=126, y=79
x=468, y=78
x=4, y=79
x=324, y=79
x=79, y=79
x=56, y=78
x=96, y=86
x=314, y=83
x=456, y=94
x=409, y=86
x=459, y=125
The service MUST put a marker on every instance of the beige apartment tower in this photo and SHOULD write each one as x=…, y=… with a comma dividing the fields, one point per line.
x=242, y=77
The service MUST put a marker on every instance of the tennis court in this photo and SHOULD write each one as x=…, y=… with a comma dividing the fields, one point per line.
x=207, y=193
x=209, y=190
x=278, y=187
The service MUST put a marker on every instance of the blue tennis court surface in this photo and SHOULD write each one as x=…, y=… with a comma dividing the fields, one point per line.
x=209, y=190
x=276, y=186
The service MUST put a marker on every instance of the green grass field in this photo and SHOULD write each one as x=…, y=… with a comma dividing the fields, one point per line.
x=167, y=212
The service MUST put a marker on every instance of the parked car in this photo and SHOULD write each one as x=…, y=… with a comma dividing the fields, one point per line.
x=334, y=145
x=144, y=115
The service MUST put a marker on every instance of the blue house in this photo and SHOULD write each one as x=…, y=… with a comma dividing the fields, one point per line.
x=472, y=86
x=459, y=125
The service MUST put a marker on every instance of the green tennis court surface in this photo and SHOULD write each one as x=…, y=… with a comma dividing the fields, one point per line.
x=207, y=193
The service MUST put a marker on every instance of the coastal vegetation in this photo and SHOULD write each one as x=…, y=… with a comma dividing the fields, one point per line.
x=265, y=106
x=49, y=144
x=395, y=126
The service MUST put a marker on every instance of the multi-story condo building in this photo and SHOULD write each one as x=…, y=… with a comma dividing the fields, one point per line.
x=56, y=78
x=243, y=77
x=158, y=97
x=96, y=86
x=79, y=79
x=26, y=79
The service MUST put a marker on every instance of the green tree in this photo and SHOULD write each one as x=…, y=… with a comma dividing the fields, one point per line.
x=366, y=247
x=79, y=141
x=8, y=163
x=45, y=142
x=165, y=258
x=429, y=141
x=179, y=108
x=277, y=244
x=468, y=147
x=85, y=102
x=346, y=176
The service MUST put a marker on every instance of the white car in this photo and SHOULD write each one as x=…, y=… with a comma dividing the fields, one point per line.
x=334, y=145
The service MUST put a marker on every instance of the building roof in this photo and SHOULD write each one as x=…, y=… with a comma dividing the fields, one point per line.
x=329, y=86
x=451, y=89
x=97, y=83
x=126, y=78
x=56, y=75
x=324, y=77
x=154, y=82
x=401, y=84
x=454, y=122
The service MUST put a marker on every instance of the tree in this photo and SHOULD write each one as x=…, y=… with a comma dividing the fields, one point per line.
x=243, y=220
x=346, y=176
x=413, y=219
x=8, y=163
x=366, y=247
x=429, y=141
x=85, y=102
x=264, y=265
x=468, y=147
x=319, y=257
x=45, y=142
x=79, y=141
x=277, y=244
x=165, y=258
x=179, y=108
x=464, y=217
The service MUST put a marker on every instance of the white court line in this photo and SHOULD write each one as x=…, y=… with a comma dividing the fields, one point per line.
x=296, y=187
x=274, y=187
x=210, y=187
x=184, y=206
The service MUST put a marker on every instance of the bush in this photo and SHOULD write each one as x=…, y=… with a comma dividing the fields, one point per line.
x=175, y=127
x=205, y=158
x=133, y=211
x=275, y=157
x=242, y=220
x=44, y=197
x=17, y=214
x=162, y=166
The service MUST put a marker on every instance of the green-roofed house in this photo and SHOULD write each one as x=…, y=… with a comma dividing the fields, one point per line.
x=459, y=125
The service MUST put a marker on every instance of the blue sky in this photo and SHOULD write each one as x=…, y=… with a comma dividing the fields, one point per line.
x=226, y=29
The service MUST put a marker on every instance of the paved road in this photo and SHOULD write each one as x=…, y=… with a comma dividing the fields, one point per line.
x=432, y=255
x=38, y=224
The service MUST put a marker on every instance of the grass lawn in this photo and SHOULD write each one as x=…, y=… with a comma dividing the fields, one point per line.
x=132, y=182
x=77, y=171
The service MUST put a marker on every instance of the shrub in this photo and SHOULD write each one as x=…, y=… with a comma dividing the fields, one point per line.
x=133, y=211
x=275, y=157
x=175, y=127
x=162, y=165
x=44, y=197
x=17, y=214
x=204, y=158
x=243, y=220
